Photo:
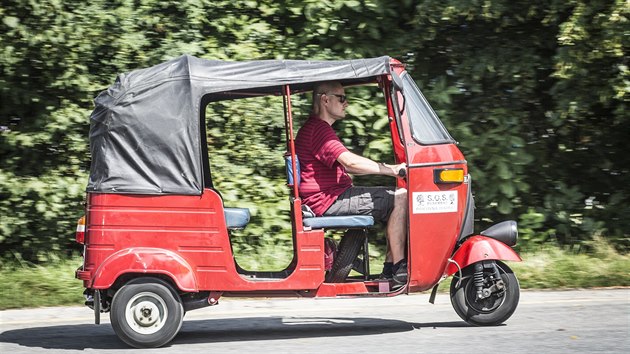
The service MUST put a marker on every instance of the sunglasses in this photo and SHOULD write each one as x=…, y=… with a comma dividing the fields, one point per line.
x=342, y=98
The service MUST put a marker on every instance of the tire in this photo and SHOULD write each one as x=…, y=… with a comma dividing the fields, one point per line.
x=493, y=310
x=347, y=252
x=146, y=313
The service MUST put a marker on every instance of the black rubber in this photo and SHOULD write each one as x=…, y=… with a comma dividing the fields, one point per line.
x=159, y=288
x=491, y=311
x=347, y=252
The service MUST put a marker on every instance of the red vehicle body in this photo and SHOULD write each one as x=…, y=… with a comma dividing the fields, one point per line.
x=181, y=242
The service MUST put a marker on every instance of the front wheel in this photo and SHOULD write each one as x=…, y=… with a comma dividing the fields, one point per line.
x=146, y=313
x=487, y=294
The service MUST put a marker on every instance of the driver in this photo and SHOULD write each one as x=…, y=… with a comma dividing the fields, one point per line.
x=327, y=188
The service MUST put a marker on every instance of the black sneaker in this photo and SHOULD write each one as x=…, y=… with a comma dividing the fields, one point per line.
x=388, y=271
x=400, y=272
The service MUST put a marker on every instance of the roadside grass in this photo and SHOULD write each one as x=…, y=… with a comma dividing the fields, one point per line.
x=28, y=285
x=553, y=268
x=53, y=284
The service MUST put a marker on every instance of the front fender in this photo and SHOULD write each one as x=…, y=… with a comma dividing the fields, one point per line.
x=147, y=261
x=481, y=248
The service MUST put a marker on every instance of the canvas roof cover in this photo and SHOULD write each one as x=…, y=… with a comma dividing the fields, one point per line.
x=145, y=135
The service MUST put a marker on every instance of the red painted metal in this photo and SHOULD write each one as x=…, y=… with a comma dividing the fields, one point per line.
x=123, y=229
x=432, y=236
x=144, y=260
x=481, y=248
x=287, y=93
x=334, y=289
x=397, y=142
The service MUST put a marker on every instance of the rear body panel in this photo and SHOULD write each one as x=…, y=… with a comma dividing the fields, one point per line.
x=183, y=237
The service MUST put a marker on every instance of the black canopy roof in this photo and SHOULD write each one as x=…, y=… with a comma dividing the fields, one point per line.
x=145, y=130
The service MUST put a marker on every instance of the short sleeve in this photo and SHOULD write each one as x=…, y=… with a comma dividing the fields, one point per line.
x=327, y=147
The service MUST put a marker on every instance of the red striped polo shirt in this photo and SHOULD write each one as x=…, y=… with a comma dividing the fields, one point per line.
x=323, y=178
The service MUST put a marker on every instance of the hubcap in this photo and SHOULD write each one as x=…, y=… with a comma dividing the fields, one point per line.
x=146, y=313
x=491, y=301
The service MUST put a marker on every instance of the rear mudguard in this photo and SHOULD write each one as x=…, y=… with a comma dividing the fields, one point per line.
x=480, y=248
x=143, y=260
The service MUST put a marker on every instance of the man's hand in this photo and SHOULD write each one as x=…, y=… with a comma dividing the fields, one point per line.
x=400, y=170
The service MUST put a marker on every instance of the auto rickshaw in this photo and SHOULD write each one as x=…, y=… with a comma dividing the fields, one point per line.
x=156, y=232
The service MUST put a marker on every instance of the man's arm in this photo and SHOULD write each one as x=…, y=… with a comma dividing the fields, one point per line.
x=359, y=165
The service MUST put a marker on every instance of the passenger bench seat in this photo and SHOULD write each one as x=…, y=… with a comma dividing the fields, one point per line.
x=236, y=218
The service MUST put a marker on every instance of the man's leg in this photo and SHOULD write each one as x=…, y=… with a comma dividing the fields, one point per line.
x=397, y=228
x=386, y=205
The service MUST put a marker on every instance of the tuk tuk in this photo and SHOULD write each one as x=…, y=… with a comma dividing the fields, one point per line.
x=156, y=232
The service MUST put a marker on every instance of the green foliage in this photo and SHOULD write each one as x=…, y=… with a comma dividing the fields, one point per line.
x=535, y=92
x=29, y=285
x=246, y=143
x=529, y=226
x=552, y=267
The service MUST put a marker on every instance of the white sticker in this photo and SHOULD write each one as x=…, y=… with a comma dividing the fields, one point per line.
x=434, y=202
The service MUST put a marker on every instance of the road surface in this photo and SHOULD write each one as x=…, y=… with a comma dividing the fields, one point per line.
x=579, y=321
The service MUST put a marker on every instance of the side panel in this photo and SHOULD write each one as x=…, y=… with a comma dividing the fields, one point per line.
x=190, y=227
x=481, y=248
x=187, y=234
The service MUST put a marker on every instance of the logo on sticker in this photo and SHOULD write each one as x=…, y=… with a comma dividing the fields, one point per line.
x=420, y=199
x=434, y=202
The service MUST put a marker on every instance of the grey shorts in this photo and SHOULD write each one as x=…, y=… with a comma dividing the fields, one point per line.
x=375, y=201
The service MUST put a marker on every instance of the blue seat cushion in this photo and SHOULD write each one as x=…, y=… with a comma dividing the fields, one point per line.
x=334, y=222
x=236, y=218
x=339, y=222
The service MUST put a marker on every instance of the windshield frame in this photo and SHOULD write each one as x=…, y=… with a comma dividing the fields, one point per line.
x=427, y=119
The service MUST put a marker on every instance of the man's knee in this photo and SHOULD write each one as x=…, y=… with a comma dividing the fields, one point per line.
x=400, y=197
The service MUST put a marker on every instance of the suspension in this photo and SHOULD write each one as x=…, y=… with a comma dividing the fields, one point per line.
x=478, y=280
x=499, y=284
x=492, y=284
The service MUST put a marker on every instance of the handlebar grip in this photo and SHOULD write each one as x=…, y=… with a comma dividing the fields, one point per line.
x=402, y=173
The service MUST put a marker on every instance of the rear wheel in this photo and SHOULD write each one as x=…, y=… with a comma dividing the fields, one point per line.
x=147, y=313
x=487, y=295
x=347, y=252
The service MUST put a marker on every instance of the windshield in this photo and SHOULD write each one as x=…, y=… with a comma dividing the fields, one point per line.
x=426, y=127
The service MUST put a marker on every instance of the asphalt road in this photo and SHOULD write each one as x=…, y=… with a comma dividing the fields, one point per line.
x=586, y=321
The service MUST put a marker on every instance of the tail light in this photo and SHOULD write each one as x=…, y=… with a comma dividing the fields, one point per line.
x=80, y=236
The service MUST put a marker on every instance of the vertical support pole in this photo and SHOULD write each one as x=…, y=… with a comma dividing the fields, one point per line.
x=366, y=256
x=291, y=141
x=395, y=129
x=286, y=120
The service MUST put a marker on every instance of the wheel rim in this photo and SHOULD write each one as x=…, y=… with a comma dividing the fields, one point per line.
x=146, y=313
x=489, y=304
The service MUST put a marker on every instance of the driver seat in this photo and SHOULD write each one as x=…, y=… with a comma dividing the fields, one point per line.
x=356, y=223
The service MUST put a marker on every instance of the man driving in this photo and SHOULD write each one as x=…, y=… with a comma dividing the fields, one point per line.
x=327, y=188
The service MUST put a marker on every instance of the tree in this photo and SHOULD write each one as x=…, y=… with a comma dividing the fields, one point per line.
x=536, y=93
